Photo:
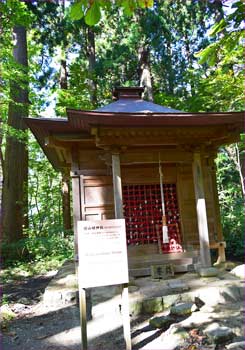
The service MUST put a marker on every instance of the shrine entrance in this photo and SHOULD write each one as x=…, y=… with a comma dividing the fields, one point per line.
x=143, y=214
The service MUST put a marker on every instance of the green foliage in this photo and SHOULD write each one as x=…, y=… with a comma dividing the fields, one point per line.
x=231, y=204
x=77, y=10
x=91, y=10
x=4, y=299
x=221, y=88
x=231, y=28
x=54, y=245
x=77, y=95
x=13, y=12
x=38, y=250
x=173, y=31
x=19, y=269
x=93, y=14
x=44, y=205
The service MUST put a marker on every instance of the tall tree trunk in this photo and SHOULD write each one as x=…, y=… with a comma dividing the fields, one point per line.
x=63, y=74
x=16, y=155
x=66, y=202
x=145, y=72
x=65, y=181
x=1, y=184
x=91, y=66
x=144, y=69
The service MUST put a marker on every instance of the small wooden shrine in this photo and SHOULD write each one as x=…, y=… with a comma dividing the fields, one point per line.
x=114, y=155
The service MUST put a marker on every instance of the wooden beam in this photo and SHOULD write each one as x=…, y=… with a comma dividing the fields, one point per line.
x=155, y=136
x=201, y=210
x=146, y=157
x=52, y=142
x=73, y=137
x=93, y=172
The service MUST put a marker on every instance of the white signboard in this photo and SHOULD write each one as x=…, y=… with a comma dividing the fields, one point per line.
x=102, y=253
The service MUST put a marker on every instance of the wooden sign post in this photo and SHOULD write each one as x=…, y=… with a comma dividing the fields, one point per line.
x=102, y=257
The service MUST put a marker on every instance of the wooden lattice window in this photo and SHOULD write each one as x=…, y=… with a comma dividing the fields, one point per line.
x=143, y=212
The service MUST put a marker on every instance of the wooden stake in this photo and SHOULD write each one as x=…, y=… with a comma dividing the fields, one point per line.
x=83, y=317
x=126, y=318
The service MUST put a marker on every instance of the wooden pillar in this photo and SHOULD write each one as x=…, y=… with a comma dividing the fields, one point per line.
x=212, y=167
x=76, y=200
x=201, y=210
x=220, y=237
x=118, y=202
x=117, y=186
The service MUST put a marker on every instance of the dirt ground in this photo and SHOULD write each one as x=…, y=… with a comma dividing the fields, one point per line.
x=31, y=288
x=37, y=327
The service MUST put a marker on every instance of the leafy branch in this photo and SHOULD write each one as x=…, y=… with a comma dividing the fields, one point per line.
x=90, y=10
x=230, y=30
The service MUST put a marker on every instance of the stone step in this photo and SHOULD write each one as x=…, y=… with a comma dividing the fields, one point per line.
x=145, y=293
x=146, y=260
x=63, y=288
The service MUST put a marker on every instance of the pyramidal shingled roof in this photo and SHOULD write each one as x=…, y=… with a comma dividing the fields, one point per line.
x=129, y=101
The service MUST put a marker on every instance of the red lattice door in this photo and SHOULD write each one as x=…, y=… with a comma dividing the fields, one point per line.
x=143, y=215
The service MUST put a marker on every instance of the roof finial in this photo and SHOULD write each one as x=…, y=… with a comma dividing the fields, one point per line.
x=128, y=92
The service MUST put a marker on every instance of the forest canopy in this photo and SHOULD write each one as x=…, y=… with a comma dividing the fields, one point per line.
x=58, y=54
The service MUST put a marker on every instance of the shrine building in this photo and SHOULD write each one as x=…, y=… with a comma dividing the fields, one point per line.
x=128, y=157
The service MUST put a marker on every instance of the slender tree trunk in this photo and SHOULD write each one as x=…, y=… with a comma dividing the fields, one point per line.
x=16, y=155
x=91, y=66
x=65, y=181
x=170, y=72
x=188, y=56
x=234, y=154
x=145, y=72
x=240, y=168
